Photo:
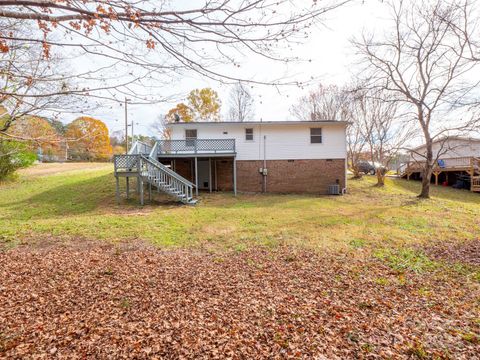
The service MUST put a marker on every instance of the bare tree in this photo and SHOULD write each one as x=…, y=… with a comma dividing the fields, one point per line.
x=25, y=76
x=324, y=103
x=241, y=103
x=137, y=49
x=356, y=143
x=160, y=127
x=382, y=129
x=424, y=64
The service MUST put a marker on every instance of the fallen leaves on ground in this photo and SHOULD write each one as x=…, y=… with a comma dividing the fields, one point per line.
x=467, y=252
x=139, y=302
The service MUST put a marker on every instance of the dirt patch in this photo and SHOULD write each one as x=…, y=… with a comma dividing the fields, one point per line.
x=140, y=302
x=467, y=252
x=55, y=168
x=46, y=243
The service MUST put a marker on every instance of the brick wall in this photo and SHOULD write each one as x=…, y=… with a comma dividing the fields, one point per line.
x=184, y=168
x=224, y=174
x=248, y=177
x=291, y=176
x=284, y=176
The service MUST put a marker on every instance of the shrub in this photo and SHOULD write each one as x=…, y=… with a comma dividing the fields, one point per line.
x=14, y=155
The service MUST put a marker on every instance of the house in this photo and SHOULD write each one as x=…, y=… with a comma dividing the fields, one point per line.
x=456, y=158
x=276, y=157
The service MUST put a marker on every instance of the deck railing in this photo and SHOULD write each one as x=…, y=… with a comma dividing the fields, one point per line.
x=126, y=163
x=466, y=162
x=475, y=185
x=195, y=146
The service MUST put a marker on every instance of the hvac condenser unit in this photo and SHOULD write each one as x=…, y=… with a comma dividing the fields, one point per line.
x=334, y=189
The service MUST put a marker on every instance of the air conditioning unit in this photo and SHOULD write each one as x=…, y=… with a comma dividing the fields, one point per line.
x=334, y=189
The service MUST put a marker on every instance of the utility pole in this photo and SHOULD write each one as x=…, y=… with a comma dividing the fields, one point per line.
x=126, y=126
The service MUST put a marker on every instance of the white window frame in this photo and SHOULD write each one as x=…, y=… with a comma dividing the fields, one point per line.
x=317, y=136
x=247, y=134
x=188, y=139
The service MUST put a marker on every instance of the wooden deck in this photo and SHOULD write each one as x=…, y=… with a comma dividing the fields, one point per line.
x=469, y=165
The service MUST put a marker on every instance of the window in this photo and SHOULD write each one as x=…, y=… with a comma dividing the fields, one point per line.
x=316, y=135
x=249, y=134
x=190, y=136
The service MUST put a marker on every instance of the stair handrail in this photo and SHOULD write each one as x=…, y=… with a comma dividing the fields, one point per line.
x=153, y=152
x=168, y=170
x=135, y=150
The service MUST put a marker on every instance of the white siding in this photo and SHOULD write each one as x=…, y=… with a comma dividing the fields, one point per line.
x=283, y=142
x=453, y=148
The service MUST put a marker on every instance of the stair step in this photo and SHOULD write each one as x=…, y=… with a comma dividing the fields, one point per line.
x=162, y=182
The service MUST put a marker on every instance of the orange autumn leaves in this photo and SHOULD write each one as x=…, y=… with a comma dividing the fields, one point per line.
x=39, y=134
x=87, y=138
x=91, y=139
x=203, y=105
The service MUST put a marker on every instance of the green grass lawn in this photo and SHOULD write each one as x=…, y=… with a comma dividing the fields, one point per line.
x=81, y=204
x=376, y=272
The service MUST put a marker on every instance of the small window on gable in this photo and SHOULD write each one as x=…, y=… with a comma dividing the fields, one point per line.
x=190, y=133
x=190, y=136
x=315, y=135
x=249, y=134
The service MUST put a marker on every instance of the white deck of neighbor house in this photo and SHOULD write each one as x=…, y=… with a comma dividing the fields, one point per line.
x=466, y=164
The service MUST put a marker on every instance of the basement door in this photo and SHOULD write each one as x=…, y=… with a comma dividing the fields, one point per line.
x=203, y=174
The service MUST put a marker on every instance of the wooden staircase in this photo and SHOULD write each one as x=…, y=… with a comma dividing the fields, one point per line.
x=167, y=180
x=141, y=163
x=475, y=174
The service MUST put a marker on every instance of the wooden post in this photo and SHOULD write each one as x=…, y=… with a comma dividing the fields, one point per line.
x=140, y=179
x=128, y=186
x=196, y=176
x=117, y=190
x=216, y=175
x=235, y=175
x=140, y=187
x=436, y=177
x=408, y=176
x=150, y=191
x=210, y=174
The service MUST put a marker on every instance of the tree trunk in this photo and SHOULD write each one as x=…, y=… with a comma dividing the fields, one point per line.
x=356, y=172
x=381, y=173
x=427, y=175
x=427, y=171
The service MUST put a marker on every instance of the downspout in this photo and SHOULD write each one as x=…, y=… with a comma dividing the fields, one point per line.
x=264, y=173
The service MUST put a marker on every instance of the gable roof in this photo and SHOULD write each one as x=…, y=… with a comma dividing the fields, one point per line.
x=448, y=138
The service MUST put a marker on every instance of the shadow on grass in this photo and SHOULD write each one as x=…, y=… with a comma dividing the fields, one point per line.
x=258, y=200
x=71, y=198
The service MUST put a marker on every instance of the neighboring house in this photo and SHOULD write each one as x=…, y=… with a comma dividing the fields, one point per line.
x=279, y=157
x=453, y=147
x=456, y=159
